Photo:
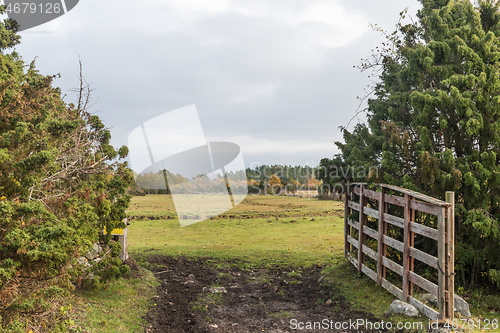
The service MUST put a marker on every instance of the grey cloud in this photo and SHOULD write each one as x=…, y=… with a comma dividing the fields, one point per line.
x=247, y=75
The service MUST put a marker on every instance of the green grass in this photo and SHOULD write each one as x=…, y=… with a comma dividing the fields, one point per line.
x=118, y=308
x=275, y=240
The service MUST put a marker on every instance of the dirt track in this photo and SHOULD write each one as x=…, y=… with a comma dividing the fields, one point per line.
x=251, y=301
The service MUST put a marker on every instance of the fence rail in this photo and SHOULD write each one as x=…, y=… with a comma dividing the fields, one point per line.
x=411, y=202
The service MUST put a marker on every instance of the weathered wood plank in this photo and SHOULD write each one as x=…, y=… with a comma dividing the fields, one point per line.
x=393, y=243
x=424, y=257
x=347, y=228
x=353, y=205
x=406, y=248
x=442, y=262
x=370, y=232
x=428, y=311
x=353, y=224
x=392, y=289
x=424, y=207
x=372, y=254
x=354, y=242
x=356, y=189
x=412, y=244
x=417, y=195
x=371, y=212
x=450, y=253
x=424, y=283
x=396, y=268
x=362, y=219
x=394, y=220
x=352, y=260
x=367, y=193
x=394, y=200
x=411, y=193
x=380, y=242
x=371, y=274
x=424, y=230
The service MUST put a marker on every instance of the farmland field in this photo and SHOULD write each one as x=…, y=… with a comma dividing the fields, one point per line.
x=274, y=248
x=278, y=258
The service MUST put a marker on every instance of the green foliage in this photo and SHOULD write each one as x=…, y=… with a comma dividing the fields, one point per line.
x=434, y=121
x=60, y=184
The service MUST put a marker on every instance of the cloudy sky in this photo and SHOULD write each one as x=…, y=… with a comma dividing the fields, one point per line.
x=274, y=77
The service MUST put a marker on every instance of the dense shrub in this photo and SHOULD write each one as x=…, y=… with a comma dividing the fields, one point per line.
x=60, y=184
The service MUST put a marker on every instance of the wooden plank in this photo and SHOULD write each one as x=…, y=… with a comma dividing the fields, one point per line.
x=357, y=189
x=424, y=283
x=353, y=205
x=396, y=268
x=347, y=228
x=394, y=220
x=380, y=242
x=371, y=194
x=371, y=274
x=424, y=230
x=367, y=193
x=394, y=200
x=406, y=248
x=362, y=219
x=424, y=257
x=386, y=231
x=417, y=195
x=372, y=254
x=441, y=262
x=393, y=243
x=353, y=224
x=370, y=232
x=371, y=212
x=354, y=242
x=424, y=207
x=427, y=311
x=352, y=260
x=412, y=244
x=411, y=193
x=392, y=289
x=450, y=254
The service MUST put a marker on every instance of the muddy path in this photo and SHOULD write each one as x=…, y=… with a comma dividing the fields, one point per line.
x=206, y=295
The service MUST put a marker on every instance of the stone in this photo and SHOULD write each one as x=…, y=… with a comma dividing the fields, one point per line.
x=83, y=261
x=329, y=302
x=430, y=299
x=215, y=289
x=93, y=252
x=461, y=305
x=402, y=308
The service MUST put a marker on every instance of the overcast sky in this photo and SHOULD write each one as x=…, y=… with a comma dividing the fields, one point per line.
x=274, y=77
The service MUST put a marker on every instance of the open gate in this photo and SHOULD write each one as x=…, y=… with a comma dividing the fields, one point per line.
x=376, y=201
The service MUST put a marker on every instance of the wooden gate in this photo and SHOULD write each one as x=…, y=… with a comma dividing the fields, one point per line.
x=382, y=197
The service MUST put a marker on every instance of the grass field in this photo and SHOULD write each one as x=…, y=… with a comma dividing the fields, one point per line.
x=264, y=230
x=261, y=231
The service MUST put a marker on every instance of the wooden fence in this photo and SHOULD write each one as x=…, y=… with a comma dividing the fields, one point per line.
x=411, y=202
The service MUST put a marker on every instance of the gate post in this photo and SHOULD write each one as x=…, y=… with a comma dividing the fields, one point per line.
x=450, y=254
x=347, y=227
x=442, y=297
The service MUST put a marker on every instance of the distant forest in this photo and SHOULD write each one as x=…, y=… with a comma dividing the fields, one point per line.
x=269, y=177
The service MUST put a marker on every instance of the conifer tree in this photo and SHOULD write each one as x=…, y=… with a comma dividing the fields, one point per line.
x=61, y=184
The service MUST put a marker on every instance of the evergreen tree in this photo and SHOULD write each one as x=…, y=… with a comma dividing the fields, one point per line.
x=434, y=122
x=60, y=186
